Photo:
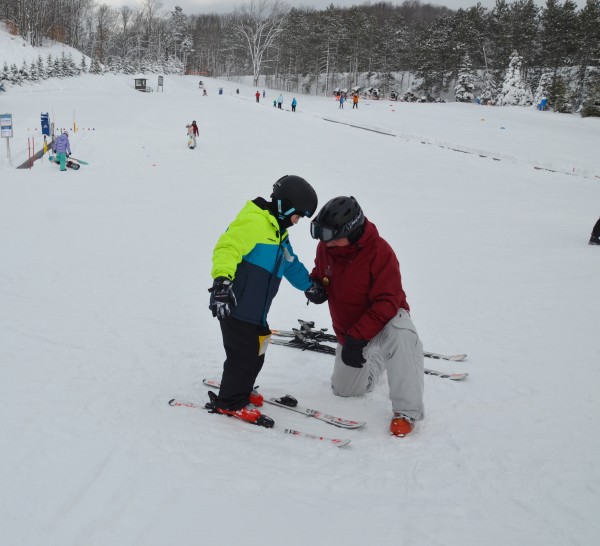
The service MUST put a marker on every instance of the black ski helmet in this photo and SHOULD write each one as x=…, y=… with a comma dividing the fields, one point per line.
x=340, y=217
x=294, y=195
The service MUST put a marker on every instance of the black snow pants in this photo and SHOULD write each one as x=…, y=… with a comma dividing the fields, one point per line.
x=245, y=345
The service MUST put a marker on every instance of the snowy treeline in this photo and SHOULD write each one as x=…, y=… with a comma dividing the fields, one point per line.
x=315, y=51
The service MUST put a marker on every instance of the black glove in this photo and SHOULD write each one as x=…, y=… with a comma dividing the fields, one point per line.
x=316, y=293
x=352, y=352
x=222, y=298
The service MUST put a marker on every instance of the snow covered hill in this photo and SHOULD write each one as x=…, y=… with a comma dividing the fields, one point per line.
x=13, y=49
x=103, y=319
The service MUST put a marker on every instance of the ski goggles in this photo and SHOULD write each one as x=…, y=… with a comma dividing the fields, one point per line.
x=323, y=233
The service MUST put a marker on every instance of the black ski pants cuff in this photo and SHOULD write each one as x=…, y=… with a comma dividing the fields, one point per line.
x=242, y=342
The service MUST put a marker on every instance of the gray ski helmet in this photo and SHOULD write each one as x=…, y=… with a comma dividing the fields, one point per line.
x=340, y=217
x=294, y=195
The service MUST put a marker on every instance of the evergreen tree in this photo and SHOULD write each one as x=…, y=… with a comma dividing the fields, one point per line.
x=589, y=47
x=33, y=72
x=524, y=33
x=24, y=72
x=15, y=76
x=497, y=53
x=393, y=43
x=515, y=91
x=49, y=67
x=543, y=89
x=591, y=104
x=95, y=68
x=560, y=97
x=83, y=65
x=489, y=90
x=558, y=34
x=468, y=31
x=463, y=91
x=434, y=63
x=5, y=75
x=58, y=68
x=327, y=31
x=41, y=69
x=178, y=36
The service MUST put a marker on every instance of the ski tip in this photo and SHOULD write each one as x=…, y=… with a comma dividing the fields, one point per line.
x=458, y=376
x=172, y=402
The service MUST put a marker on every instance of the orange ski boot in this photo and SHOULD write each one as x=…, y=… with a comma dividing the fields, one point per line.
x=401, y=425
x=256, y=399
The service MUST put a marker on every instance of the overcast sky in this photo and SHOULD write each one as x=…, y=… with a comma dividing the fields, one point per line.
x=191, y=7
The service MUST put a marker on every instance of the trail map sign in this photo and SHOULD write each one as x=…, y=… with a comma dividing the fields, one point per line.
x=6, y=131
x=6, y=126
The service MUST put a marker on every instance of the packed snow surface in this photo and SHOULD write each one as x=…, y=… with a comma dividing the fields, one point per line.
x=103, y=318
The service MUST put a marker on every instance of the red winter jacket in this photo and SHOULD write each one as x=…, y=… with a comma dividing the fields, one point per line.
x=363, y=283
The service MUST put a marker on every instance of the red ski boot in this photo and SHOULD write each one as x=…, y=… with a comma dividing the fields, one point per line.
x=248, y=413
x=401, y=425
x=256, y=399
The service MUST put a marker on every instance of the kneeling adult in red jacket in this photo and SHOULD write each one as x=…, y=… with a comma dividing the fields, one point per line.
x=358, y=273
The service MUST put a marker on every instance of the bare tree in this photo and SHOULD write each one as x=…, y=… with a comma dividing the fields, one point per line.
x=259, y=23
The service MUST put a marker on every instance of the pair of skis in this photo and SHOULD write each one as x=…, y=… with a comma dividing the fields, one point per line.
x=308, y=338
x=290, y=403
x=311, y=339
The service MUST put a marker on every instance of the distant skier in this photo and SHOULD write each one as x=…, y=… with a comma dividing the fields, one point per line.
x=257, y=95
x=355, y=101
x=342, y=99
x=294, y=103
x=62, y=149
x=280, y=101
x=190, y=135
x=595, y=238
x=195, y=132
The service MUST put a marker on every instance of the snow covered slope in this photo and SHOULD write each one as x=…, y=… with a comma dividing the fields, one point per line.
x=103, y=319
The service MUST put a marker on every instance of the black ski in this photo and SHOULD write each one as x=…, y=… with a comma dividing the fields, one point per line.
x=307, y=331
x=313, y=345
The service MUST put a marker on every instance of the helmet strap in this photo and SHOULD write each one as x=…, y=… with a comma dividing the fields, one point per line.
x=282, y=214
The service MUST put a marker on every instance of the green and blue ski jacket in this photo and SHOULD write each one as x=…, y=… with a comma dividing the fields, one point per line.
x=256, y=255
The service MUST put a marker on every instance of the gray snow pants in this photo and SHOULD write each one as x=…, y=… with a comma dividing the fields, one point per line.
x=397, y=349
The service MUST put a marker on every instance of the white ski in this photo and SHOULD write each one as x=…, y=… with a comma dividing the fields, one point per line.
x=290, y=403
x=337, y=442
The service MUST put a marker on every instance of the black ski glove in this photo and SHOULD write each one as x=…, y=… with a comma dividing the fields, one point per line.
x=316, y=293
x=352, y=352
x=222, y=298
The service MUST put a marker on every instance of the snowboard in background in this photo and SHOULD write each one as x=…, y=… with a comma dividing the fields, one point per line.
x=70, y=164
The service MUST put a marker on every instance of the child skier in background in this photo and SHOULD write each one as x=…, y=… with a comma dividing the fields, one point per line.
x=192, y=131
x=62, y=149
x=195, y=132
